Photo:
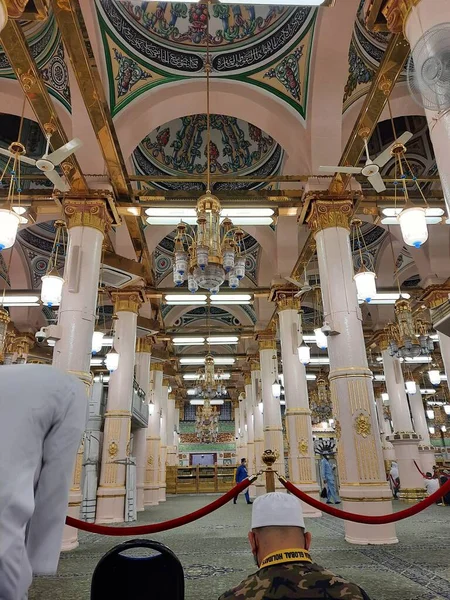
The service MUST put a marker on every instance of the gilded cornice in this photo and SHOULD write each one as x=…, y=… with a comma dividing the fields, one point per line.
x=329, y=212
x=127, y=300
x=380, y=339
x=435, y=295
x=396, y=13
x=87, y=213
x=144, y=344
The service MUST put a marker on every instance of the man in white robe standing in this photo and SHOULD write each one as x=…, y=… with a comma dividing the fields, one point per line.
x=43, y=414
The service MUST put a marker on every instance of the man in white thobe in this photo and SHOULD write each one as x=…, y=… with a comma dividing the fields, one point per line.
x=42, y=418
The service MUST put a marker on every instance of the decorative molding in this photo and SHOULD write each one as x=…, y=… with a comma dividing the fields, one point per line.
x=396, y=13
x=286, y=300
x=329, y=212
x=157, y=367
x=435, y=295
x=128, y=301
x=87, y=213
x=362, y=425
x=303, y=447
x=16, y=8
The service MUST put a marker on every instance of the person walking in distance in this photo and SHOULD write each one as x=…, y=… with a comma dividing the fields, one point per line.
x=329, y=480
x=241, y=474
x=43, y=414
x=286, y=570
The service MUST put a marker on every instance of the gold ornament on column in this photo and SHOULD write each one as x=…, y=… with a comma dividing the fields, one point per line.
x=329, y=212
x=87, y=213
x=362, y=425
x=303, y=447
x=113, y=450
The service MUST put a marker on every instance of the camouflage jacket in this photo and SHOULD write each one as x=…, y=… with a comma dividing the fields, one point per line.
x=290, y=581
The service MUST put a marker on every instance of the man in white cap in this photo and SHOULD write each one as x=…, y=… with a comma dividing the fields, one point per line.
x=43, y=414
x=280, y=546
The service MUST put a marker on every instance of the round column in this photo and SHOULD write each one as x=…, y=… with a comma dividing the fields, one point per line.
x=243, y=427
x=164, y=442
x=444, y=345
x=151, y=488
x=143, y=359
x=249, y=407
x=426, y=450
x=258, y=426
x=302, y=470
x=87, y=221
x=237, y=429
x=385, y=430
x=273, y=430
x=171, y=448
x=116, y=437
x=363, y=488
x=404, y=439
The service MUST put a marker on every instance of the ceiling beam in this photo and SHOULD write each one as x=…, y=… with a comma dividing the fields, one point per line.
x=76, y=41
x=27, y=73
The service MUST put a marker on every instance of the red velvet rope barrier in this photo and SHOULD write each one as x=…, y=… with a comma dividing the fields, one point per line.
x=165, y=525
x=368, y=520
x=418, y=468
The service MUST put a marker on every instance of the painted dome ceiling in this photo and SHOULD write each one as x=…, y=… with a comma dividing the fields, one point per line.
x=236, y=148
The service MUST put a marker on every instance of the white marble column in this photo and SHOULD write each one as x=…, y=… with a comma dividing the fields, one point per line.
x=172, y=458
x=243, y=427
x=249, y=408
x=164, y=442
x=444, y=346
x=87, y=221
x=151, y=487
x=258, y=426
x=363, y=488
x=426, y=450
x=404, y=439
x=273, y=430
x=116, y=437
x=143, y=359
x=302, y=468
x=385, y=431
x=91, y=457
x=237, y=430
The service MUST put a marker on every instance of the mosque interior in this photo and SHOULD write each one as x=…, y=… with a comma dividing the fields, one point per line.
x=231, y=222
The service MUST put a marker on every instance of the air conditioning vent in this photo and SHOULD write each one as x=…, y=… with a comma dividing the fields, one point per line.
x=116, y=278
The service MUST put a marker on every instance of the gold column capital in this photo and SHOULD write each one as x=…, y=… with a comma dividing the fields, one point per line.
x=380, y=339
x=144, y=344
x=166, y=383
x=23, y=342
x=172, y=396
x=435, y=295
x=87, y=213
x=247, y=379
x=267, y=342
x=396, y=13
x=327, y=211
x=128, y=300
x=157, y=367
x=286, y=300
x=255, y=366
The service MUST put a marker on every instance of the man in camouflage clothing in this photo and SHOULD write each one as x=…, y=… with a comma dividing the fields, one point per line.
x=280, y=546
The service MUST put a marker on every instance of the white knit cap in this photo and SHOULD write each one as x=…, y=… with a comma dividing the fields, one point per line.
x=277, y=509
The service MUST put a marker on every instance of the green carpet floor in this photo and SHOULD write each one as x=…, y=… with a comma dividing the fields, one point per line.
x=215, y=554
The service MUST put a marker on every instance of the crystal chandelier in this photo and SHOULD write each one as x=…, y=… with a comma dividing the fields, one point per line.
x=408, y=337
x=320, y=402
x=211, y=254
x=207, y=418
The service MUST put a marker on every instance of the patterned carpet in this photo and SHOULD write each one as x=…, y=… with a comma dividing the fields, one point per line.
x=215, y=554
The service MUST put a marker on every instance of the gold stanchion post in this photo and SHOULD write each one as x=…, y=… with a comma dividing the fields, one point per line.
x=268, y=458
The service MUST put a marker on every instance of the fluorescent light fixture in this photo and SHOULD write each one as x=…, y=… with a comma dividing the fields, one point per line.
x=394, y=220
x=232, y=213
x=185, y=297
x=231, y=339
x=186, y=303
x=419, y=359
x=194, y=376
x=324, y=360
x=20, y=299
x=232, y=297
x=252, y=221
x=174, y=220
x=201, y=402
x=285, y=2
x=427, y=391
x=191, y=392
x=171, y=212
x=18, y=304
x=196, y=402
x=103, y=379
x=309, y=339
x=429, y=212
x=200, y=360
x=379, y=377
x=310, y=377
x=96, y=362
x=220, y=302
x=180, y=341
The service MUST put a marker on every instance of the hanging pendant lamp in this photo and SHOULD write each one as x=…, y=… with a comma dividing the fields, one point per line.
x=52, y=282
x=97, y=341
x=413, y=225
x=304, y=354
x=112, y=360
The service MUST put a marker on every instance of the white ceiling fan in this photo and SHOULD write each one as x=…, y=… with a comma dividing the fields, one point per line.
x=304, y=286
x=371, y=169
x=48, y=162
